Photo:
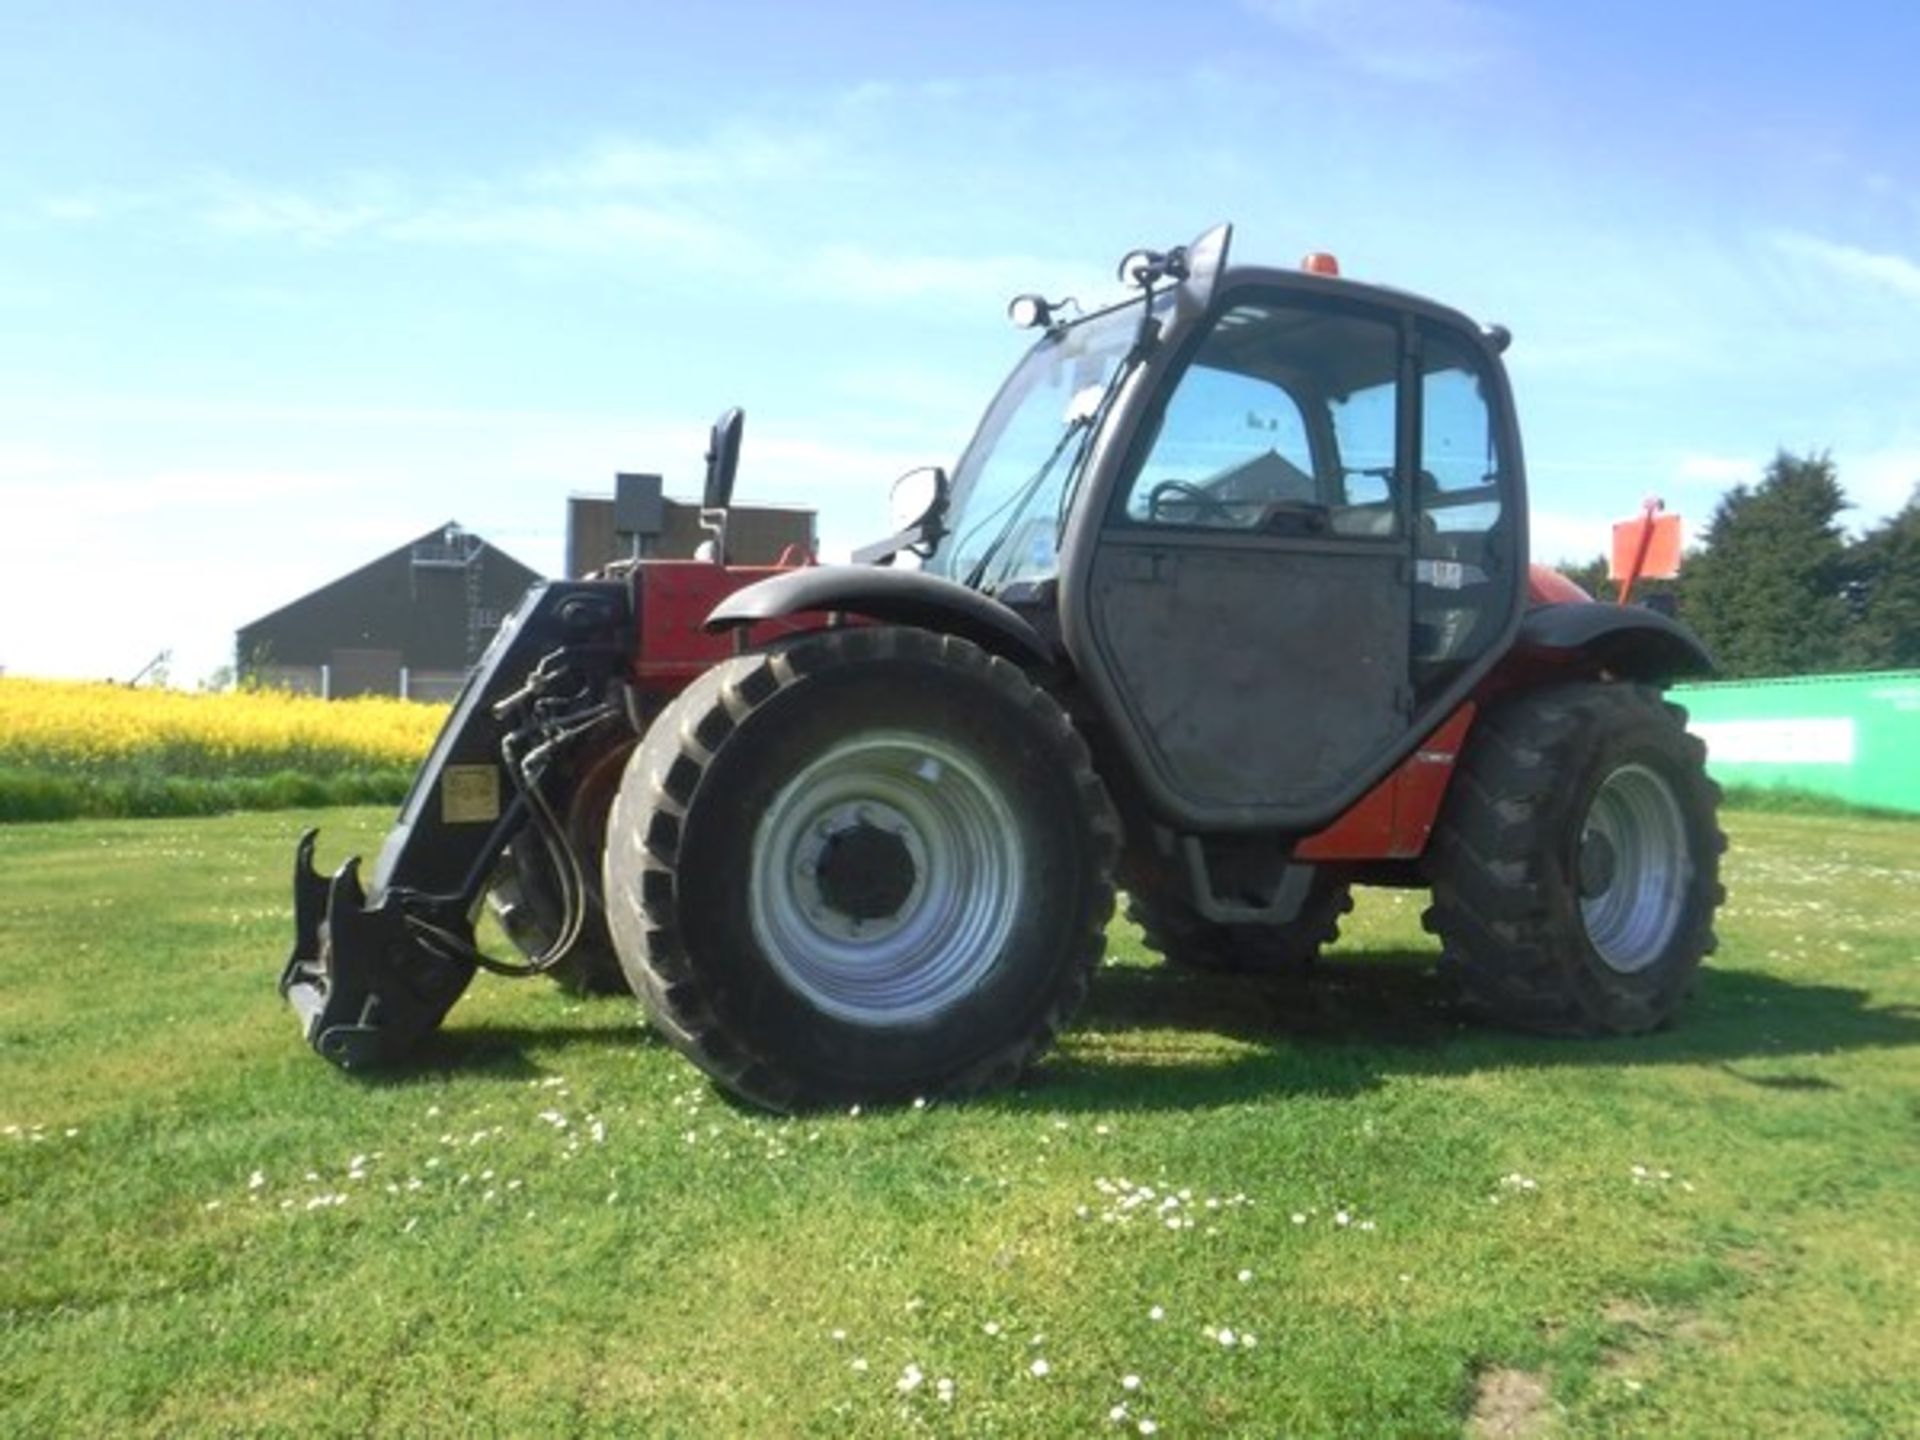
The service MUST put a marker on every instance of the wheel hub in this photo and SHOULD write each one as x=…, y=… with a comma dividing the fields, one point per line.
x=1597, y=864
x=885, y=877
x=865, y=871
x=1634, y=868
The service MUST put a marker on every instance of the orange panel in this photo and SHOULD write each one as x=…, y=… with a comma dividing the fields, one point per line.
x=1425, y=777
x=1363, y=832
x=1393, y=820
x=1662, y=560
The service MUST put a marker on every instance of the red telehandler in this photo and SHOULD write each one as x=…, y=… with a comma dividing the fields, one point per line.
x=1226, y=603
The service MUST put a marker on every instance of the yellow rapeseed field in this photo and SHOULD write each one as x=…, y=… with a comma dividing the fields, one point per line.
x=90, y=728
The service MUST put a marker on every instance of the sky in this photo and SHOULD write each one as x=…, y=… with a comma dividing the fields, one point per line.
x=283, y=287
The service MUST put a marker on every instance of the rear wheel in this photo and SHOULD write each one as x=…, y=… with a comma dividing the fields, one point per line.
x=1171, y=926
x=870, y=863
x=1576, y=864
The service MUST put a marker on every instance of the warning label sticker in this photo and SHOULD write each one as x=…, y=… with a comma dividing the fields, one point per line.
x=470, y=794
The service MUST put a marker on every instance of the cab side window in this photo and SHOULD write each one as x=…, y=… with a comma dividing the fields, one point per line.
x=1230, y=444
x=1364, y=422
x=1463, y=552
x=1283, y=424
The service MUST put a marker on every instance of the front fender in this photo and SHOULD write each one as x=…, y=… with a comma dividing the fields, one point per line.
x=1626, y=639
x=896, y=597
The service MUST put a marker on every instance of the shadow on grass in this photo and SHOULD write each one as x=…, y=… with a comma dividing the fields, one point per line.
x=1146, y=1039
x=505, y=1052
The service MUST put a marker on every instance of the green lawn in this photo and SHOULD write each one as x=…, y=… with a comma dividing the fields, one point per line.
x=552, y=1225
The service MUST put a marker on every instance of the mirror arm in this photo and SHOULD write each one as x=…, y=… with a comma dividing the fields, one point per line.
x=881, y=552
x=920, y=537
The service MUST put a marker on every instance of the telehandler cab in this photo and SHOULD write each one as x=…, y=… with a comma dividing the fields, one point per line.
x=1227, y=603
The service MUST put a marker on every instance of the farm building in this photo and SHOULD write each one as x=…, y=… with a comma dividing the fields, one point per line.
x=409, y=623
x=412, y=622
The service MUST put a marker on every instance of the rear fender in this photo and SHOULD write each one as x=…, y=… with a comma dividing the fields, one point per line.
x=894, y=597
x=1625, y=640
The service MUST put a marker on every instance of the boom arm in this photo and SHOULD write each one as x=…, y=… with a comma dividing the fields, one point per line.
x=374, y=969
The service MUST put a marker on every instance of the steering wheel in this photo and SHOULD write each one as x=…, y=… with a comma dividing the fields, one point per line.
x=1295, y=517
x=1206, y=507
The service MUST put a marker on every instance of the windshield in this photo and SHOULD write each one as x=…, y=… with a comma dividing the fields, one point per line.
x=1004, y=522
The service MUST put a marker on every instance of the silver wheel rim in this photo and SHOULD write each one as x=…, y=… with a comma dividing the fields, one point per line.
x=1634, y=868
x=959, y=866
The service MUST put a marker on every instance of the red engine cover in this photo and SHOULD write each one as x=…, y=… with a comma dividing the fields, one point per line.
x=1547, y=586
x=673, y=599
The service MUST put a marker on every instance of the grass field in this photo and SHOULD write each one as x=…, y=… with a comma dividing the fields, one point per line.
x=1222, y=1207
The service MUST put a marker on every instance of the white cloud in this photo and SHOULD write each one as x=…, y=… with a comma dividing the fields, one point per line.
x=730, y=157
x=597, y=228
x=1631, y=346
x=1878, y=481
x=480, y=220
x=1720, y=470
x=985, y=282
x=105, y=410
x=637, y=200
x=621, y=196
x=584, y=203
x=855, y=271
x=29, y=460
x=173, y=491
x=1426, y=41
x=244, y=211
x=1557, y=537
x=911, y=93
x=1889, y=272
x=85, y=207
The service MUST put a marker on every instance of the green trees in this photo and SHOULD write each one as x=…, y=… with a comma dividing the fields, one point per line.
x=1883, y=592
x=1776, y=588
x=1765, y=591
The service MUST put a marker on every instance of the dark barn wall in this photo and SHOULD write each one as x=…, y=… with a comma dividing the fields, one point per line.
x=417, y=606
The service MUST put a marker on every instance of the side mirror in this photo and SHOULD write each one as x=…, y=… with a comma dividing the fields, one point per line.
x=723, y=459
x=917, y=508
x=917, y=497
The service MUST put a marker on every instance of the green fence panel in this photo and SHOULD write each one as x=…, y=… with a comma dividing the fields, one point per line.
x=1854, y=737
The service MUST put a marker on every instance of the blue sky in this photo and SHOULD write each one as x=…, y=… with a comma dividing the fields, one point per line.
x=282, y=287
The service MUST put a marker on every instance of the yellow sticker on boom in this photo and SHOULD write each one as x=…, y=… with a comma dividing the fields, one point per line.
x=469, y=794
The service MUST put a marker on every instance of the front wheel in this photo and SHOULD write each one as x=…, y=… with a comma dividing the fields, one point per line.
x=870, y=863
x=1575, y=866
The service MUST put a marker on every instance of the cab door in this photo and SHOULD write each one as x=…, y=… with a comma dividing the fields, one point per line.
x=1258, y=618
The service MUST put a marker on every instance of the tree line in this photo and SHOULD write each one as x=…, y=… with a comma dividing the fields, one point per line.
x=1777, y=587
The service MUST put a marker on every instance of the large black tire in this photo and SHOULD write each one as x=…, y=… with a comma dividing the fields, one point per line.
x=870, y=863
x=525, y=896
x=1171, y=927
x=1575, y=866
